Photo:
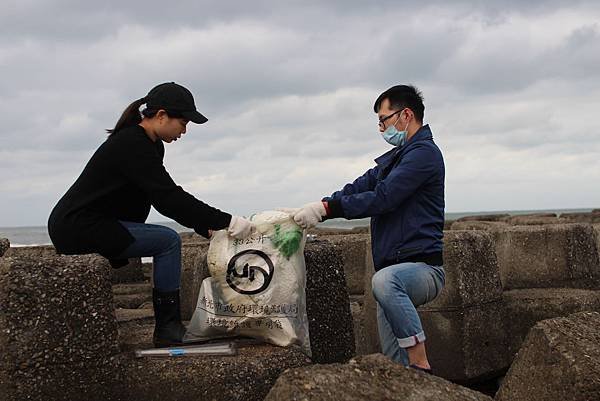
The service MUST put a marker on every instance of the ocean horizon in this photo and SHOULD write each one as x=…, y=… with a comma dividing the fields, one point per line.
x=38, y=235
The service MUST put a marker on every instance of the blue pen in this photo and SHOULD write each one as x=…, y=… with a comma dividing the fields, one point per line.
x=228, y=348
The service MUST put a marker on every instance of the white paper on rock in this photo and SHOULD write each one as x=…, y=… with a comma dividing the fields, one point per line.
x=254, y=289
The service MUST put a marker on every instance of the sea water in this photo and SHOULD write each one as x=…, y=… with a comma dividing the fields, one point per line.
x=38, y=235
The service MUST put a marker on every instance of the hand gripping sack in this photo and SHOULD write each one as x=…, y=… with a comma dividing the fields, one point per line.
x=257, y=285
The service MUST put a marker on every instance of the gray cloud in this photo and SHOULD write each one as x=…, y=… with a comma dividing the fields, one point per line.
x=511, y=91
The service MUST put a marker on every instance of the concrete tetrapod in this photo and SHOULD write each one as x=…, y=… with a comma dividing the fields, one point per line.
x=596, y=228
x=58, y=334
x=464, y=324
x=552, y=256
x=4, y=246
x=327, y=304
x=581, y=217
x=486, y=217
x=194, y=270
x=524, y=308
x=478, y=225
x=559, y=360
x=129, y=273
x=370, y=377
x=38, y=251
x=353, y=250
x=365, y=322
x=247, y=376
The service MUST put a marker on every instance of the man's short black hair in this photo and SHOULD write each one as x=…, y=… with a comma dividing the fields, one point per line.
x=401, y=96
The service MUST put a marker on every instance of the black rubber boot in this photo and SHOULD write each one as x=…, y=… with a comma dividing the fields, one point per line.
x=168, y=329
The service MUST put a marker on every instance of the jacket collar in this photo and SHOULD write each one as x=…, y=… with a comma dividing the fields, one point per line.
x=422, y=134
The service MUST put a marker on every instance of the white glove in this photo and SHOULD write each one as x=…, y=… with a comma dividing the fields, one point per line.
x=310, y=214
x=240, y=227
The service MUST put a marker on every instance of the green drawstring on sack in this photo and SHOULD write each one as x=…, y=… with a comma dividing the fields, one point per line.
x=286, y=242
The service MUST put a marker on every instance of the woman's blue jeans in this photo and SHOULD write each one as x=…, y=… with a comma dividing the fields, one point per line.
x=164, y=245
x=398, y=290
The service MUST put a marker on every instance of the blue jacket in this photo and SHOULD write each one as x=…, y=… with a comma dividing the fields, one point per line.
x=404, y=196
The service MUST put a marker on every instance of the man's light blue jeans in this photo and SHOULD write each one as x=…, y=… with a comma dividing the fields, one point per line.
x=398, y=290
x=164, y=245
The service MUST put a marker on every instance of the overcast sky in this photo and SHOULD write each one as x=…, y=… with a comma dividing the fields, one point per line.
x=512, y=95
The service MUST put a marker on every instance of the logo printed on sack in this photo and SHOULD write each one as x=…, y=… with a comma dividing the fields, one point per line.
x=247, y=281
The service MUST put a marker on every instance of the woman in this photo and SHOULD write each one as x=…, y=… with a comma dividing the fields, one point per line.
x=105, y=209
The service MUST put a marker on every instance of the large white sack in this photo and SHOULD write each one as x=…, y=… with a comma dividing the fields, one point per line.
x=257, y=285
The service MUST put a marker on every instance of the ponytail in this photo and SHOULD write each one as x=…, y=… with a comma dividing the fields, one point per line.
x=131, y=116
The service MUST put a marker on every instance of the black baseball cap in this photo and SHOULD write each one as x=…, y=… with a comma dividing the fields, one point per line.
x=174, y=98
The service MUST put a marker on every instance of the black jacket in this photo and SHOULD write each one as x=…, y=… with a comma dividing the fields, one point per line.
x=124, y=177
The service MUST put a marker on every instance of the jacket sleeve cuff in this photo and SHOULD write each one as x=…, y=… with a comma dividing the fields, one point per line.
x=202, y=231
x=335, y=209
x=221, y=223
x=226, y=221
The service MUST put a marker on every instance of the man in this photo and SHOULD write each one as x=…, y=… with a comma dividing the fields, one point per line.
x=404, y=197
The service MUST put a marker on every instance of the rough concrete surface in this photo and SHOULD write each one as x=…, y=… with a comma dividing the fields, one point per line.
x=194, y=269
x=556, y=256
x=369, y=318
x=133, y=301
x=80, y=381
x=57, y=327
x=471, y=270
x=135, y=328
x=127, y=315
x=4, y=246
x=191, y=236
x=464, y=324
x=325, y=231
x=353, y=250
x=525, y=307
x=132, y=288
x=471, y=280
x=596, y=228
x=39, y=251
x=247, y=376
x=486, y=217
x=581, y=217
x=370, y=377
x=560, y=360
x=327, y=304
x=58, y=351
x=358, y=325
x=130, y=273
x=534, y=220
x=478, y=225
x=466, y=343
